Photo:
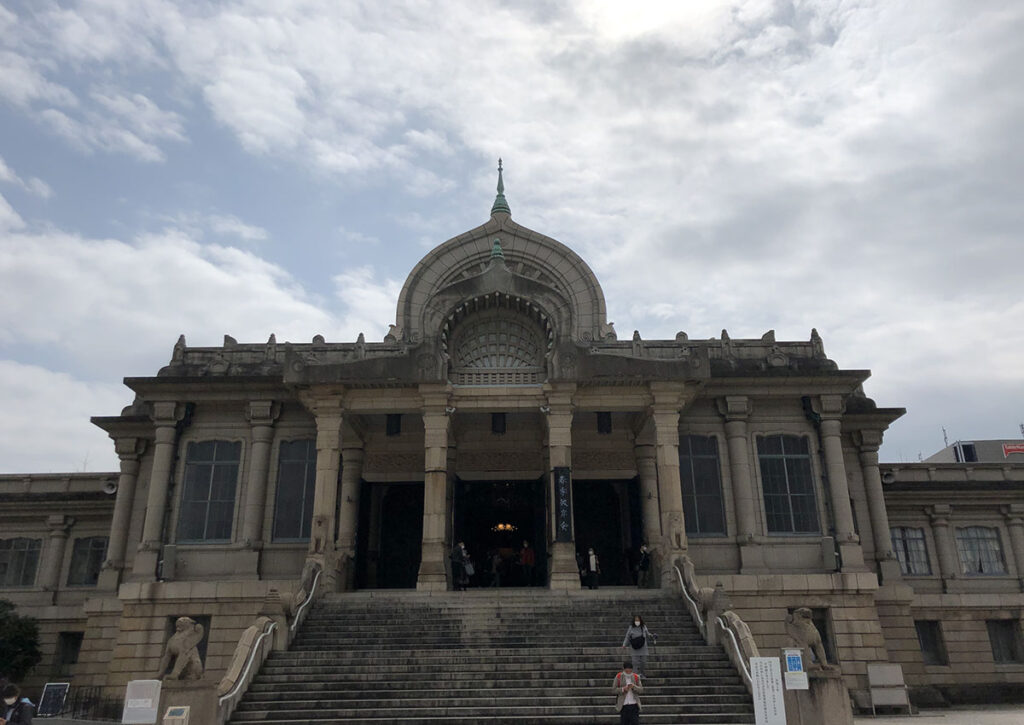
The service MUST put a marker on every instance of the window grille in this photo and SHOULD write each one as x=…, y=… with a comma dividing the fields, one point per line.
x=981, y=552
x=788, y=485
x=208, y=498
x=19, y=560
x=498, y=349
x=911, y=552
x=700, y=476
x=87, y=557
x=296, y=482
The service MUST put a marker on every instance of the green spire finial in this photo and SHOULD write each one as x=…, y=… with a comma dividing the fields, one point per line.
x=500, y=205
x=496, y=252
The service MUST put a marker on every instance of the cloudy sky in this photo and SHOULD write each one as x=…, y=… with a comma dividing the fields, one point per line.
x=268, y=166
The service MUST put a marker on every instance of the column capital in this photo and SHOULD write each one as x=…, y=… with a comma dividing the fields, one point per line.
x=323, y=403
x=129, y=448
x=829, y=407
x=735, y=407
x=167, y=413
x=671, y=395
x=939, y=514
x=436, y=395
x=1013, y=513
x=59, y=524
x=868, y=440
x=262, y=412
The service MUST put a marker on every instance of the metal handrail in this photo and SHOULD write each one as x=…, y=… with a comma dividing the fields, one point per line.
x=298, y=612
x=696, y=609
x=739, y=652
x=248, y=665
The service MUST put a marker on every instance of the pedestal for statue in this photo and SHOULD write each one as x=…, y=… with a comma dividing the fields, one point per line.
x=200, y=696
x=826, y=702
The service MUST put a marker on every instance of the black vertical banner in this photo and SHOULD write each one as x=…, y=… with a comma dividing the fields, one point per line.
x=563, y=504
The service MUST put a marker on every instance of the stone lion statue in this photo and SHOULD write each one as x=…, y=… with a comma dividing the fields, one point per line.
x=183, y=648
x=800, y=627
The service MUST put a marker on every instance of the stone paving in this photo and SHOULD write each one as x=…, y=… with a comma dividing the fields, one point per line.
x=987, y=715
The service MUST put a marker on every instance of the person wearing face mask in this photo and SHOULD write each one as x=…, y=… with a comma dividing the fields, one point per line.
x=637, y=638
x=593, y=567
x=15, y=711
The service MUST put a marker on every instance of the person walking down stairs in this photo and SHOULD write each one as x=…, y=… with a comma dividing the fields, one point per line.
x=461, y=567
x=627, y=691
x=593, y=568
x=636, y=642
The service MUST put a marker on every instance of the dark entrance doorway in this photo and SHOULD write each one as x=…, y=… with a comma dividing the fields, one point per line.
x=607, y=516
x=495, y=517
x=388, y=549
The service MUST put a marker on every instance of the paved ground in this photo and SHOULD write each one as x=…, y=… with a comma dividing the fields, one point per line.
x=987, y=715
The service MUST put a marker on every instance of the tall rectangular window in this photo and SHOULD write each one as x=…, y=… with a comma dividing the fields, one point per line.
x=699, y=474
x=929, y=636
x=69, y=645
x=1004, y=636
x=908, y=543
x=19, y=559
x=788, y=484
x=208, y=499
x=87, y=557
x=296, y=481
x=981, y=552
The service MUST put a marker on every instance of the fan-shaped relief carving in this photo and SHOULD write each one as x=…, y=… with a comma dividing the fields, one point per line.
x=498, y=347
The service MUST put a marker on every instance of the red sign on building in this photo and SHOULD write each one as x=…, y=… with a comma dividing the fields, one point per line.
x=1009, y=448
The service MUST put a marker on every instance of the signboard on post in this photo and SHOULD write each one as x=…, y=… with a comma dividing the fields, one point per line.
x=766, y=677
x=563, y=504
x=141, y=702
x=52, y=701
x=795, y=676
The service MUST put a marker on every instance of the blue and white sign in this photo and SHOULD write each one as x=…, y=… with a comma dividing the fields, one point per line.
x=795, y=675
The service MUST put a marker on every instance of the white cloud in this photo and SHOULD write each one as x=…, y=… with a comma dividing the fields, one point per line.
x=32, y=185
x=9, y=219
x=45, y=427
x=231, y=226
x=369, y=304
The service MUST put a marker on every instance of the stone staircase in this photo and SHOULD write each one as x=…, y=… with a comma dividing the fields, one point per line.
x=496, y=657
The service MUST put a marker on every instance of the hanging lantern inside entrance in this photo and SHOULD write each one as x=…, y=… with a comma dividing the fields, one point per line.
x=504, y=528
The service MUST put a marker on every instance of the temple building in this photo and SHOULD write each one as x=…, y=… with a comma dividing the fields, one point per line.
x=502, y=407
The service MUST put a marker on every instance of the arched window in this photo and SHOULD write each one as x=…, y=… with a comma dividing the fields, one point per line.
x=498, y=348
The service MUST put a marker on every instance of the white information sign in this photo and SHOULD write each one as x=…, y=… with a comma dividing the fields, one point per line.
x=766, y=676
x=141, y=702
x=795, y=676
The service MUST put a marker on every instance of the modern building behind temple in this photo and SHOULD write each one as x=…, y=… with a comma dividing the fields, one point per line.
x=501, y=406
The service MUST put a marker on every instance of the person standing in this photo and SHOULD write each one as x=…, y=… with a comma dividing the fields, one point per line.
x=494, y=557
x=15, y=710
x=636, y=641
x=593, y=568
x=527, y=560
x=627, y=691
x=643, y=568
x=460, y=560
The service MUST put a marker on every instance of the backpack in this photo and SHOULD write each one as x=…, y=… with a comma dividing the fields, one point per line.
x=637, y=641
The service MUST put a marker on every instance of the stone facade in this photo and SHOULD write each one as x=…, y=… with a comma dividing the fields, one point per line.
x=758, y=458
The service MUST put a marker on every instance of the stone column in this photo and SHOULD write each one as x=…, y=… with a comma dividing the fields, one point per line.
x=647, y=469
x=53, y=558
x=165, y=417
x=839, y=489
x=888, y=566
x=1014, y=514
x=736, y=410
x=261, y=415
x=351, y=477
x=328, y=412
x=129, y=450
x=668, y=401
x=949, y=560
x=559, y=412
x=433, y=552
